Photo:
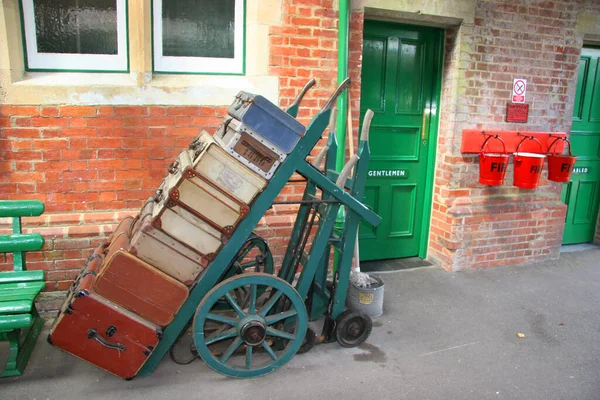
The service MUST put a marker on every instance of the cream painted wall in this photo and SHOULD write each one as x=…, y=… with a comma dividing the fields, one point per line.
x=140, y=86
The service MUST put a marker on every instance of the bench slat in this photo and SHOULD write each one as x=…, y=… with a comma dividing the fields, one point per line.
x=16, y=307
x=20, y=242
x=21, y=276
x=20, y=291
x=10, y=322
x=21, y=208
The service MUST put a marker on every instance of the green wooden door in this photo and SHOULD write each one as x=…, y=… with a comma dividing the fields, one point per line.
x=399, y=72
x=582, y=194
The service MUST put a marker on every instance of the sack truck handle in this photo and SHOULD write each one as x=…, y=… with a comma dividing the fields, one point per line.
x=343, y=86
x=364, y=133
x=305, y=89
x=341, y=180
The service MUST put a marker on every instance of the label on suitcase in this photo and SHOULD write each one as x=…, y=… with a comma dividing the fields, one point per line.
x=253, y=151
x=139, y=287
x=226, y=172
x=200, y=196
x=163, y=252
x=102, y=333
x=267, y=120
x=187, y=228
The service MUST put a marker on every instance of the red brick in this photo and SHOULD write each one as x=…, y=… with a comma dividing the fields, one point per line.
x=128, y=111
x=180, y=110
x=77, y=111
x=105, y=122
x=20, y=110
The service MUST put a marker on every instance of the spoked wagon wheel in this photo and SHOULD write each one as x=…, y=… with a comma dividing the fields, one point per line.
x=254, y=256
x=238, y=343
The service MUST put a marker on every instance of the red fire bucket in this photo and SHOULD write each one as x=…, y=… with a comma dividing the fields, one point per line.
x=560, y=167
x=492, y=166
x=528, y=167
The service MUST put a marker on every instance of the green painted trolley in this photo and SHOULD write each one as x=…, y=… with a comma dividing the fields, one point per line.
x=250, y=324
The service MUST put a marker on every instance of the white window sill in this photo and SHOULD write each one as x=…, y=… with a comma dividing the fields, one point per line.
x=46, y=88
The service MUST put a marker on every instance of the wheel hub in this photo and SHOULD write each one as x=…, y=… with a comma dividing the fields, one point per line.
x=253, y=332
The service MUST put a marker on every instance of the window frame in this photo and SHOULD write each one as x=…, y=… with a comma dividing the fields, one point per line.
x=199, y=65
x=65, y=62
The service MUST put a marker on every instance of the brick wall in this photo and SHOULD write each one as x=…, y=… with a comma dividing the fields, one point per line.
x=93, y=165
x=477, y=226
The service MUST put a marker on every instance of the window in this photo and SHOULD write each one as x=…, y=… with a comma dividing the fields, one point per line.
x=199, y=36
x=75, y=35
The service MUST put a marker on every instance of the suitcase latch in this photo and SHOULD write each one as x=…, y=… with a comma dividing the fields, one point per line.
x=111, y=330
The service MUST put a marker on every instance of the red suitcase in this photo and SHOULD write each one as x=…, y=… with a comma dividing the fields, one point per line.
x=140, y=288
x=102, y=333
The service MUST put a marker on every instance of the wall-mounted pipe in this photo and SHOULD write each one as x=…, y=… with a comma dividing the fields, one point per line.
x=342, y=105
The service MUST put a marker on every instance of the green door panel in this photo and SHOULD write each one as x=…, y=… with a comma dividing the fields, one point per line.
x=582, y=194
x=400, y=65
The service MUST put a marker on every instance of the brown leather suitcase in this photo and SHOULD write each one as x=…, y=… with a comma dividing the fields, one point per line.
x=124, y=226
x=140, y=288
x=199, y=195
x=162, y=251
x=102, y=333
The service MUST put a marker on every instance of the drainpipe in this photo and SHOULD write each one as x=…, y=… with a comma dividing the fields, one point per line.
x=342, y=104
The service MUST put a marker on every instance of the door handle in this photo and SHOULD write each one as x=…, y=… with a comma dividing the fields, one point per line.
x=424, y=127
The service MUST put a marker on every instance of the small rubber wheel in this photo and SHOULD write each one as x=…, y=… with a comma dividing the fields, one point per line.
x=309, y=341
x=352, y=328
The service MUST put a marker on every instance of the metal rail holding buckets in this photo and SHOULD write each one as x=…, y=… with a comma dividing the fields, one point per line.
x=493, y=166
x=528, y=166
x=560, y=166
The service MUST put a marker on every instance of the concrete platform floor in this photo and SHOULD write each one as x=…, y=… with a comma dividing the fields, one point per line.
x=443, y=336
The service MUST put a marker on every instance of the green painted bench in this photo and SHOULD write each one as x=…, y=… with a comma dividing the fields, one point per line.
x=20, y=323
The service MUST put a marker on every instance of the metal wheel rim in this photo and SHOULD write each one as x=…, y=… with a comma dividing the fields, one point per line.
x=262, y=313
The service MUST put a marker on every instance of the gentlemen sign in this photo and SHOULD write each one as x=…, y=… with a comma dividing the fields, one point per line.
x=388, y=173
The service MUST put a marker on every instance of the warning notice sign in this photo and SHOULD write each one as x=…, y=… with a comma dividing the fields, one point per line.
x=519, y=90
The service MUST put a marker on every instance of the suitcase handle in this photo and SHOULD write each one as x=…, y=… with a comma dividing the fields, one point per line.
x=158, y=195
x=92, y=334
x=173, y=167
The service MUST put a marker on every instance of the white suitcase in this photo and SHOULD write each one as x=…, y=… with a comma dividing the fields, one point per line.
x=187, y=228
x=201, y=196
x=216, y=164
x=251, y=149
x=163, y=252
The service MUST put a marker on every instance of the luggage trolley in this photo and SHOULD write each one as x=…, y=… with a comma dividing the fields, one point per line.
x=253, y=323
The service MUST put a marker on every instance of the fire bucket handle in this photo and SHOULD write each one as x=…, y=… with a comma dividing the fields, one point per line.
x=495, y=137
x=530, y=138
x=564, y=139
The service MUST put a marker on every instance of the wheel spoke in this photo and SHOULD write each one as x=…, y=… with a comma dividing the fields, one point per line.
x=221, y=318
x=281, y=334
x=269, y=351
x=265, y=310
x=271, y=319
x=252, y=309
x=235, y=305
x=229, y=333
x=249, y=357
x=231, y=349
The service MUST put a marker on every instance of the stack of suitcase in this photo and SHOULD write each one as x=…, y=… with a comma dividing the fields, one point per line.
x=132, y=287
